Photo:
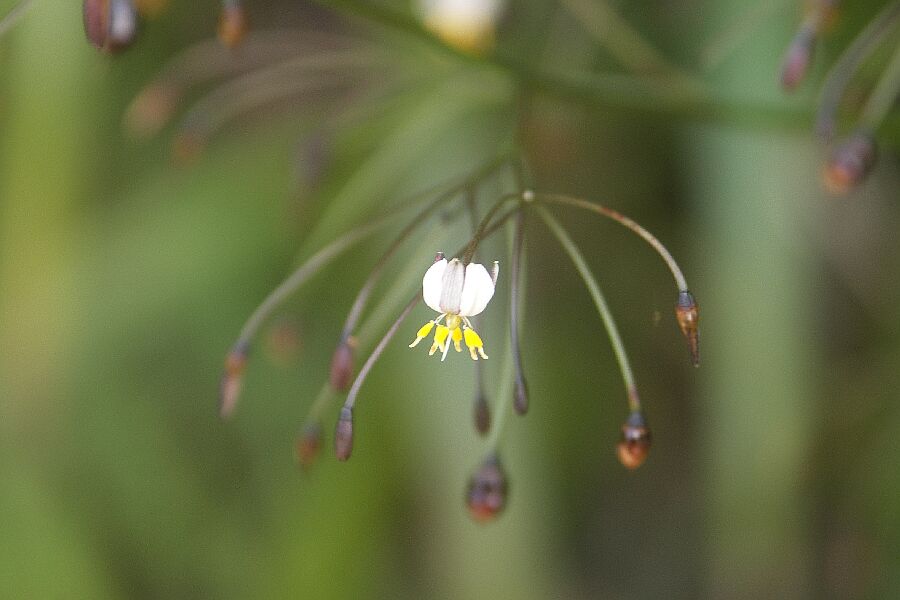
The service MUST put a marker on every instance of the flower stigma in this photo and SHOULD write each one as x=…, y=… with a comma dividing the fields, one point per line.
x=456, y=292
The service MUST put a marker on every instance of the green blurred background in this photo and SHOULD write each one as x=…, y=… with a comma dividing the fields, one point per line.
x=125, y=276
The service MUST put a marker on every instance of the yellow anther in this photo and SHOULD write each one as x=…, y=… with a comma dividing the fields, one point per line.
x=457, y=338
x=473, y=341
x=423, y=333
x=440, y=336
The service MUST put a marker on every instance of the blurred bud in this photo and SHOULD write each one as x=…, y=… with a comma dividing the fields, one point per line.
x=151, y=110
x=482, y=414
x=233, y=24
x=343, y=434
x=342, y=365
x=634, y=446
x=520, y=397
x=850, y=162
x=110, y=25
x=798, y=58
x=309, y=442
x=283, y=341
x=232, y=379
x=187, y=146
x=487, y=491
x=688, y=314
x=467, y=25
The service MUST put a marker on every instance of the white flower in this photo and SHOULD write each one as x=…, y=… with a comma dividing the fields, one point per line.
x=466, y=24
x=457, y=293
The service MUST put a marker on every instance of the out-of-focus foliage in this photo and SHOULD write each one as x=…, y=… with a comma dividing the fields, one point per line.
x=127, y=268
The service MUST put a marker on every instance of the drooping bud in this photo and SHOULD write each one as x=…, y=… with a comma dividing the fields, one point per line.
x=342, y=365
x=688, y=314
x=233, y=24
x=520, y=397
x=482, y=414
x=850, y=162
x=309, y=442
x=232, y=379
x=110, y=25
x=343, y=434
x=487, y=491
x=798, y=58
x=151, y=109
x=283, y=341
x=634, y=446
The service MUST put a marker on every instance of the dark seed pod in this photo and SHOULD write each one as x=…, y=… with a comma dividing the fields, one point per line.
x=233, y=24
x=850, y=162
x=232, y=379
x=343, y=435
x=309, y=442
x=487, y=491
x=110, y=25
x=342, y=366
x=634, y=446
x=688, y=314
x=520, y=397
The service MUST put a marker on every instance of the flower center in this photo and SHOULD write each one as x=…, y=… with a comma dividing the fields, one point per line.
x=453, y=321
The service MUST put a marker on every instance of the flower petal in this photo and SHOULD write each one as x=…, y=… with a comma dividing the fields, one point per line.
x=432, y=284
x=452, y=286
x=478, y=290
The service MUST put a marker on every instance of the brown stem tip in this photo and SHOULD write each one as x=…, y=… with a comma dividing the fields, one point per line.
x=482, y=415
x=342, y=366
x=309, y=442
x=850, y=163
x=232, y=379
x=634, y=446
x=343, y=435
x=233, y=25
x=520, y=397
x=487, y=491
x=688, y=314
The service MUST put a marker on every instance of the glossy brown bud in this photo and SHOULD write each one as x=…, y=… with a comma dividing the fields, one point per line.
x=487, y=491
x=341, y=372
x=850, y=162
x=110, y=25
x=309, y=442
x=688, y=314
x=232, y=379
x=798, y=58
x=233, y=25
x=520, y=397
x=343, y=435
x=482, y=415
x=634, y=446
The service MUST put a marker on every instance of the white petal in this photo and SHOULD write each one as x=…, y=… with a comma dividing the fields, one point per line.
x=478, y=290
x=432, y=285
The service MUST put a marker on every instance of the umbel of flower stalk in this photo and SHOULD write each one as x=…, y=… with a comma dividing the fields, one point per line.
x=456, y=292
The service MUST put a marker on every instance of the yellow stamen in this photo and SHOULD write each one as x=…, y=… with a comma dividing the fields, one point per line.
x=440, y=336
x=473, y=341
x=457, y=338
x=423, y=333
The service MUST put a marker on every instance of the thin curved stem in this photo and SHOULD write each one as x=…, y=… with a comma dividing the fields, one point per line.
x=597, y=296
x=621, y=219
x=504, y=399
x=846, y=67
x=515, y=295
x=884, y=96
x=12, y=17
x=481, y=231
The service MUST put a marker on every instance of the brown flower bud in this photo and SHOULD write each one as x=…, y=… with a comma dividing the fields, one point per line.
x=232, y=379
x=520, y=397
x=309, y=442
x=343, y=435
x=110, y=25
x=487, y=491
x=688, y=314
x=634, y=446
x=233, y=24
x=850, y=162
x=482, y=414
x=798, y=58
x=342, y=366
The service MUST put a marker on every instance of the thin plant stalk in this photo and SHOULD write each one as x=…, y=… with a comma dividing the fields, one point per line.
x=12, y=17
x=597, y=296
x=680, y=281
x=504, y=398
x=884, y=96
x=515, y=304
x=846, y=67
